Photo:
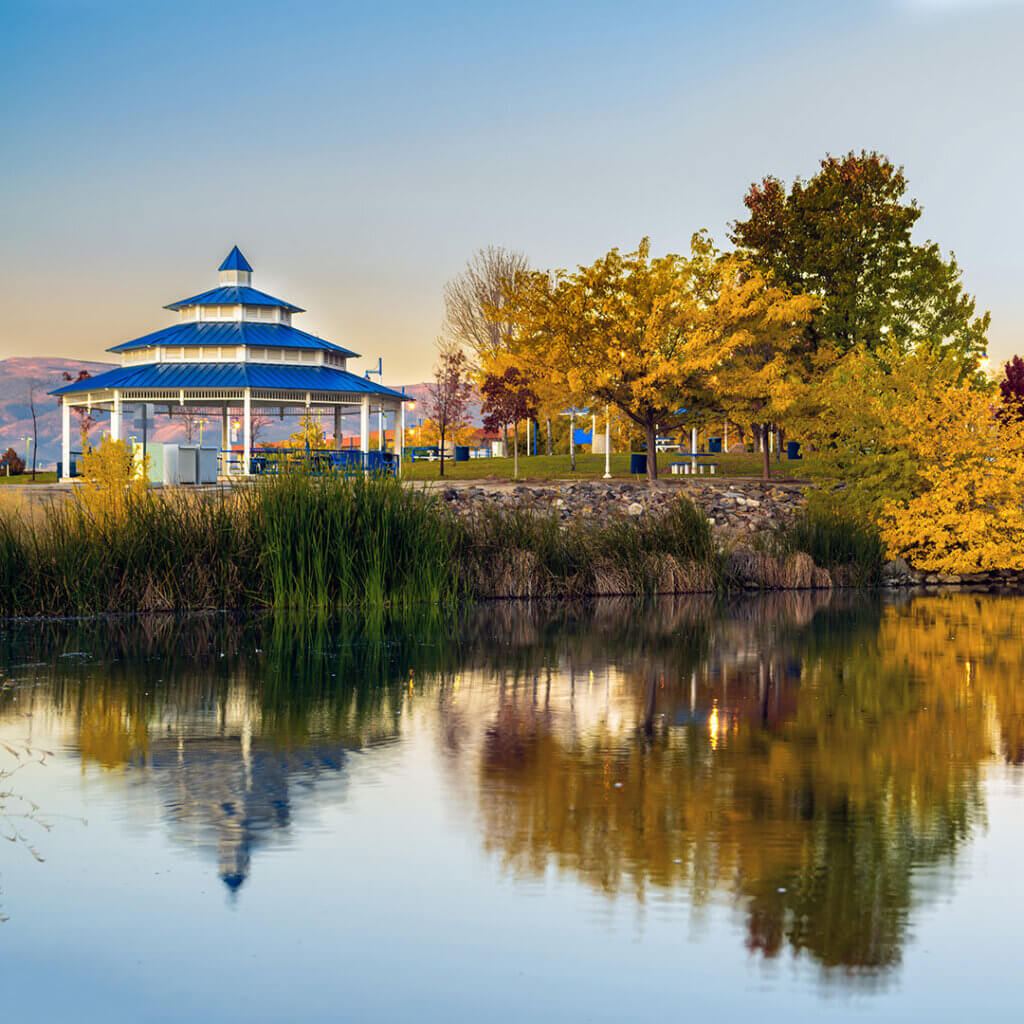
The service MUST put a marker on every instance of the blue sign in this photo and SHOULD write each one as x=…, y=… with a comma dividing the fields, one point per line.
x=580, y=436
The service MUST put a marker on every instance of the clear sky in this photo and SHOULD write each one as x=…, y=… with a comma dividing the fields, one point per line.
x=359, y=153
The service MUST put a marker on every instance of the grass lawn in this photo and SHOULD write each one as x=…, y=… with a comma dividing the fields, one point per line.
x=591, y=467
x=49, y=477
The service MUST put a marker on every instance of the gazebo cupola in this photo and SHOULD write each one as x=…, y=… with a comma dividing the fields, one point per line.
x=235, y=269
x=234, y=299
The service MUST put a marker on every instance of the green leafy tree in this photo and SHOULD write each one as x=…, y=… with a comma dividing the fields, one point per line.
x=844, y=235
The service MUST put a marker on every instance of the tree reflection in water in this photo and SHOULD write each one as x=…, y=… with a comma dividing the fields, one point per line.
x=801, y=754
x=806, y=760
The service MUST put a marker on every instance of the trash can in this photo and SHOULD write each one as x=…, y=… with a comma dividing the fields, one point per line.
x=715, y=445
x=793, y=450
x=462, y=453
x=638, y=462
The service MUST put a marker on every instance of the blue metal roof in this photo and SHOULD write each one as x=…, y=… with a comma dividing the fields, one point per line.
x=235, y=261
x=231, y=295
x=164, y=376
x=237, y=332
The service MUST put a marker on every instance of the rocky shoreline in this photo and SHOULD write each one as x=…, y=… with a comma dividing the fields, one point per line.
x=738, y=511
x=734, y=507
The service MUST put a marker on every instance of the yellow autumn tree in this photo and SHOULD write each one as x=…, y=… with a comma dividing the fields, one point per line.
x=112, y=477
x=310, y=435
x=649, y=335
x=969, y=516
x=926, y=454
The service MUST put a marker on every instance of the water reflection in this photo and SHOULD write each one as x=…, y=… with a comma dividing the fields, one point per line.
x=803, y=756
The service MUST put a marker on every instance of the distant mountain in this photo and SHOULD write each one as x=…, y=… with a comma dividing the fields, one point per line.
x=18, y=375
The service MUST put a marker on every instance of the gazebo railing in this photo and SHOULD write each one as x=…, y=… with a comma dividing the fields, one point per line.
x=274, y=461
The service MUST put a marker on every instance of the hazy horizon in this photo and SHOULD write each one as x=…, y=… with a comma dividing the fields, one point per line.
x=359, y=155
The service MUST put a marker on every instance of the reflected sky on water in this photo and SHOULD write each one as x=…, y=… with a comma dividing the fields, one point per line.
x=804, y=807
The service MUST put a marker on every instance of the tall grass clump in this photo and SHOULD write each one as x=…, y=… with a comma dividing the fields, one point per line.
x=156, y=553
x=331, y=542
x=846, y=543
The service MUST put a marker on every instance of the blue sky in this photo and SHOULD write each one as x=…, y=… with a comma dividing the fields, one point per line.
x=359, y=153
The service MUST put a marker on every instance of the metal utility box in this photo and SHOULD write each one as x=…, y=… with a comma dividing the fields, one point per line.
x=188, y=464
x=209, y=458
x=163, y=461
x=197, y=464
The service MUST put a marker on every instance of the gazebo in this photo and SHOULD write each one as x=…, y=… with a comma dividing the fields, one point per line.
x=234, y=347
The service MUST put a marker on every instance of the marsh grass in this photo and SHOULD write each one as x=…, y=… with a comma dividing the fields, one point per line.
x=843, y=542
x=323, y=544
x=520, y=554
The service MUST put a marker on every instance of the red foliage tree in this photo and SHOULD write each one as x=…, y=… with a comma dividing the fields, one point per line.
x=11, y=463
x=1011, y=389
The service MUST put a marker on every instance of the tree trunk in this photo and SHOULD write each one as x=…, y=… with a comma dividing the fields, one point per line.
x=551, y=450
x=504, y=435
x=442, y=448
x=780, y=436
x=766, y=464
x=650, y=432
x=515, y=450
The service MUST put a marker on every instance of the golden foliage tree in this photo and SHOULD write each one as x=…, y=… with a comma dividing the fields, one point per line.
x=112, y=477
x=650, y=336
x=310, y=435
x=929, y=456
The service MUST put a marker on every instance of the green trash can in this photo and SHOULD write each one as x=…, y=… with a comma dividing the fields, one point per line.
x=638, y=462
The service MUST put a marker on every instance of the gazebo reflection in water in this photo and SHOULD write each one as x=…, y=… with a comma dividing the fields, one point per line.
x=234, y=349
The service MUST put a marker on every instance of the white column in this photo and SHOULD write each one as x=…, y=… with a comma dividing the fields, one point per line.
x=364, y=428
x=725, y=444
x=337, y=428
x=400, y=435
x=380, y=427
x=225, y=439
x=607, y=443
x=693, y=450
x=246, y=427
x=115, y=418
x=65, y=436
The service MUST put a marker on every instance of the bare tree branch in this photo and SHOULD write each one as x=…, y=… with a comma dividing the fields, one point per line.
x=471, y=297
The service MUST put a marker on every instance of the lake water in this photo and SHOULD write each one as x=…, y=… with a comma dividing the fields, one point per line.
x=782, y=809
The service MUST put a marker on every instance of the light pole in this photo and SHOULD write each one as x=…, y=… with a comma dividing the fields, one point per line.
x=607, y=443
